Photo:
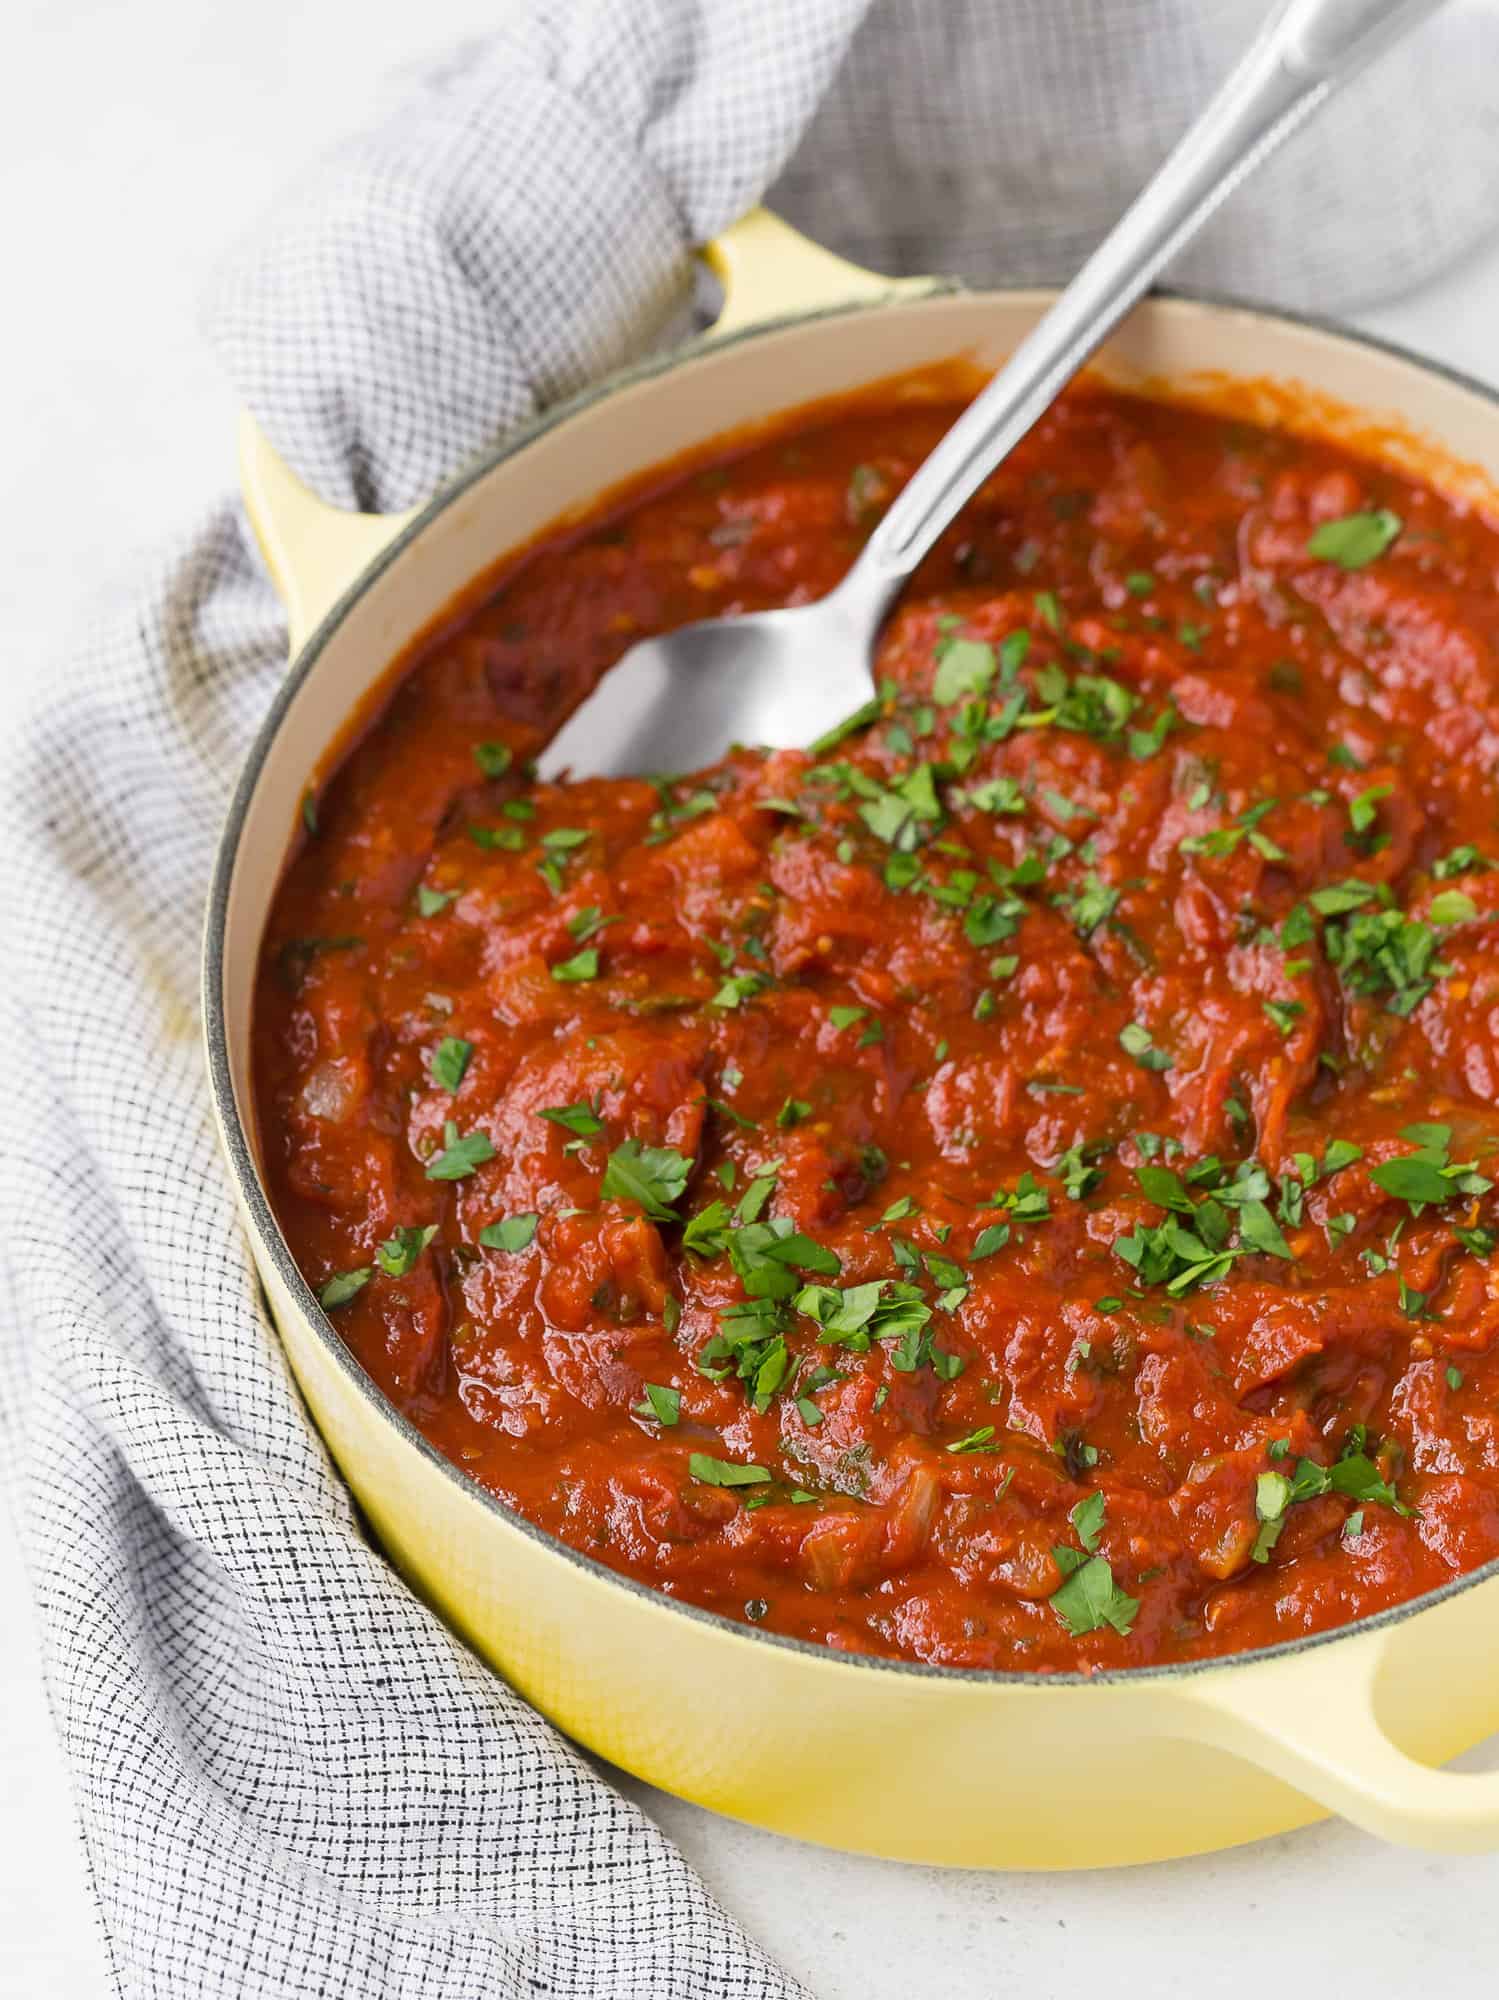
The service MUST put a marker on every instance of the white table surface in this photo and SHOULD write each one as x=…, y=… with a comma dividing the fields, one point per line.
x=133, y=141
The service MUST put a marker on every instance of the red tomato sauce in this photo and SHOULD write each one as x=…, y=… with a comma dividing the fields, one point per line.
x=1009, y=1188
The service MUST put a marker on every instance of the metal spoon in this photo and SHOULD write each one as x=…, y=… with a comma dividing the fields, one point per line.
x=782, y=678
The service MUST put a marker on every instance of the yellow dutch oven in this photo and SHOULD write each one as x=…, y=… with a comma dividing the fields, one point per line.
x=912, y=1762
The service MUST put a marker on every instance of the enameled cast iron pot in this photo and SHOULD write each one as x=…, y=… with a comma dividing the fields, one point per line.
x=917, y=1763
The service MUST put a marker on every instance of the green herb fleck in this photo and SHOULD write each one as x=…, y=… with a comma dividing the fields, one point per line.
x=581, y=1118
x=397, y=1255
x=723, y=1472
x=493, y=759
x=582, y=965
x=664, y=1404
x=515, y=1232
x=653, y=1176
x=340, y=1288
x=449, y=1061
x=459, y=1157
x=1136, y=1041
x=1356, y=539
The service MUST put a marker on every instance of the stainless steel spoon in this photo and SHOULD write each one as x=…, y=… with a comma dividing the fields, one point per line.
x=782, y=678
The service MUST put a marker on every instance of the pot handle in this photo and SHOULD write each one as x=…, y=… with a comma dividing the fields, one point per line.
x=1316, y=1722
x=769, y=270
x=314, y=551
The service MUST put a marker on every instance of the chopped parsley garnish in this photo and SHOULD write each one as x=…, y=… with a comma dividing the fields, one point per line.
x=1413, y=1303
x=752, y=1202
x=1193, y=1246
x=981, y=1440
x=992, y=919
x=1146, y=743
x=1088, y=1597
x=1463, y=860
x=431, y=902
x=897, y=815
x=1258, y=1230
x=964, y=667
x=996, y=795
x=766, y=1254
x=1135, y=1040
x=674, y=812
x=1383, y=954
x=737, y=988
x=653, y=1176
x=1088, y=906
x=1428, y=1176
x=750, y=1342
x=1027, y=1201
x=665, y=1405
x=449, y=1061
x=862, y=717
x=1340, y=897
x=723, y=1472
x=397, y=1255
x=1224, y=840
x=1087, y=1519
x=1096, y=706
x=582, y=965
x=1178, y=1257
x=587, y=922
x=1356, y=539
x=340, y=1288
x=493, y=759
x=882, y=1309
x=1355, y=1475
x=581, y=1118
x=459, y=1157
x=515, y=1232
x=1284, y=1013
x=707, y=1232
x=509, y=839
x=1363, y=811
x=1452, y=906
x=1272, y=1495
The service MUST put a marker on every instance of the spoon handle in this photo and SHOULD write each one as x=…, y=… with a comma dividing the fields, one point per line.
x=1307, y=48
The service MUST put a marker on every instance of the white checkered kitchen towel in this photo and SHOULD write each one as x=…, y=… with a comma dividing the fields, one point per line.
x=291, y=1780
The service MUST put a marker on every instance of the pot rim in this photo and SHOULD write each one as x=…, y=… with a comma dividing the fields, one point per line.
x=235, y=1140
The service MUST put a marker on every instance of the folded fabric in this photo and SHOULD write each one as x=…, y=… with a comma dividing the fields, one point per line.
x=291, y=1779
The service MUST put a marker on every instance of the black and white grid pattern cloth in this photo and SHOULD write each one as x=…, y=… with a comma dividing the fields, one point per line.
x=291, y=1781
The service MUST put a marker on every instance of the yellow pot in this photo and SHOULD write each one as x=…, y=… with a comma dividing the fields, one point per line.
x=913, y=1762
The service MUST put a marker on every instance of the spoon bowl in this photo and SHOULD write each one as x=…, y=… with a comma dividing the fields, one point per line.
x=780, y=679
